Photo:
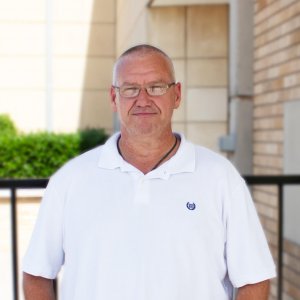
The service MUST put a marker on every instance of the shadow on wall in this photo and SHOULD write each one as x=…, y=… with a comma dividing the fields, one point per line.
x=95, y=109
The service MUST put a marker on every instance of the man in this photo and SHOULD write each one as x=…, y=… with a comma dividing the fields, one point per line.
x=148, y=215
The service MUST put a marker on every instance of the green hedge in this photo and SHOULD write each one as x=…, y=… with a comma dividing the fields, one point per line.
x=90, y=138
x=41, y=154
x=7, y=126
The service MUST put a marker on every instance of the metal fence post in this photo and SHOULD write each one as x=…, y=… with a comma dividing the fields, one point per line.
x=14, y=236
x=280, y=240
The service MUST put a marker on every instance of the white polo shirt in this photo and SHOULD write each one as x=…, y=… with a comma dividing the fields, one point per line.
x=187, y=230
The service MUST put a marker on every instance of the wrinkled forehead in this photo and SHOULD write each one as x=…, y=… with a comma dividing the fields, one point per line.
x=138, y=66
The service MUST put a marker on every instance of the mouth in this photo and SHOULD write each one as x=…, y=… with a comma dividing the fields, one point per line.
x=143, y=114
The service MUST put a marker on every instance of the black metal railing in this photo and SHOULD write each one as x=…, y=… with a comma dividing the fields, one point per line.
x=14, y=184
x=280, y=182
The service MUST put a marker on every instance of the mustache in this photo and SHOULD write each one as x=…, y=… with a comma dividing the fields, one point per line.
x=144, y=110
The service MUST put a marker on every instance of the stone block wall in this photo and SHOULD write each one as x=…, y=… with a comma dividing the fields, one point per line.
x=276, y=82
x=66, y=49
x=196, y=38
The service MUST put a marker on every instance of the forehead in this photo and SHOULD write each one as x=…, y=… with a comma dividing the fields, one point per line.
x=143, y=68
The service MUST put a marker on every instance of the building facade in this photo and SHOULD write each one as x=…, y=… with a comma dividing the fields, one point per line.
x=56, y=59
x=276, y=120
x=238, y=60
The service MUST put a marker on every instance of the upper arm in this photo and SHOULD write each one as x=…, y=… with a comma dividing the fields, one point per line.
x=248, y=256
x=255, y=291
x=45, y=253
x=37, y=288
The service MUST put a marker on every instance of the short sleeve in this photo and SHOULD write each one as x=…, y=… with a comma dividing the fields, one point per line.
x=247, y=253
x=45, y=255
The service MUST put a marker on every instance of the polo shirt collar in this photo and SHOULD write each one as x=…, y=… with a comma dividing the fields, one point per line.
x=109, y=156
x=183, y=161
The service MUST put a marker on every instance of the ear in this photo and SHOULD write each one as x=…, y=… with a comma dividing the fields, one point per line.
x=177, y=89
x=113, y=98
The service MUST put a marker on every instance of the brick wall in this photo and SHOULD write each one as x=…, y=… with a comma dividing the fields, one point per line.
x=276, y=81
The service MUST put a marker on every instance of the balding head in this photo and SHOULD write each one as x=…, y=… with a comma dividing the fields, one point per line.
x=141, y=51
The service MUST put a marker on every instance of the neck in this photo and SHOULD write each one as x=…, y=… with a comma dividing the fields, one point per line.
x=148, y=153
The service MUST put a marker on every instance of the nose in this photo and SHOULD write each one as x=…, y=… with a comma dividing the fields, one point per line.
x=143, y=98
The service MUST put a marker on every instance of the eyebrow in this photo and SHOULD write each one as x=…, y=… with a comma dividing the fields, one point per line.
x=148, y=83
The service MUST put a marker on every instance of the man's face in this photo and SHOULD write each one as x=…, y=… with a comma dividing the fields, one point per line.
x=145, y=114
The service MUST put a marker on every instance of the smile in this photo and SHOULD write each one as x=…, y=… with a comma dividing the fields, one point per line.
x=144, y=114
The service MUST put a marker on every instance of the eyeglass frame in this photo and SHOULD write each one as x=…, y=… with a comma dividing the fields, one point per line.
x=140, y=87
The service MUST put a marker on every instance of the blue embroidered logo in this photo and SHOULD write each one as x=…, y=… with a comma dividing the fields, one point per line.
x=191, y=206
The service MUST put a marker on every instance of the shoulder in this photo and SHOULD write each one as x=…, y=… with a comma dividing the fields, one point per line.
x=85, y=160
x=76, y=168
x=90, y=160
x=211, y=159
x=207, y=163
x=206, y=155
x=216, y=167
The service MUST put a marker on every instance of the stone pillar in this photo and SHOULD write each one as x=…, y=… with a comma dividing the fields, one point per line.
x=241, y=84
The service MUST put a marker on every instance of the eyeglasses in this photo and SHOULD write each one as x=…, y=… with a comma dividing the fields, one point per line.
x=131, y=91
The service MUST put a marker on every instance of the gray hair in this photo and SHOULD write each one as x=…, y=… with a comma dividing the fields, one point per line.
x=142, y=50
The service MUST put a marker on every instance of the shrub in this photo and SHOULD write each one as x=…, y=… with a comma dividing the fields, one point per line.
x=35, y=155
x=7, y=126
x=90, y=138
x=39, y=155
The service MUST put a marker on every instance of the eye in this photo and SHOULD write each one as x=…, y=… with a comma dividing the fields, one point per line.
x=156, y=89
x=129, y=91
